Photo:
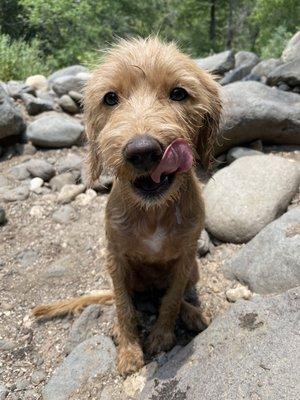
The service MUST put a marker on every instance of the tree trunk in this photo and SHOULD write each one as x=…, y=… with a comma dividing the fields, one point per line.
x=212, y=25
x=230, y=25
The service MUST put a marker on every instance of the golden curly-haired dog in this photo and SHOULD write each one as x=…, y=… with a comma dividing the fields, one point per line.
x=150, y=114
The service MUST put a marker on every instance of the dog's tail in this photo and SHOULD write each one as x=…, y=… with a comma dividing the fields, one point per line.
x=75, y=305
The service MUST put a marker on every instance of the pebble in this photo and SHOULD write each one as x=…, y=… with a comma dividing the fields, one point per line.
x=69, y=192
x=20, y=172
x=41, y=168
x=35, y=183
x=16, y=194
x=68, y=104
x=38, y=377
x=84, y=199
x=64, y=214
x=238, y=293
x=59, y=181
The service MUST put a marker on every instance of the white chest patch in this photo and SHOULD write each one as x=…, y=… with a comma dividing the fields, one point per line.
x=156, y=240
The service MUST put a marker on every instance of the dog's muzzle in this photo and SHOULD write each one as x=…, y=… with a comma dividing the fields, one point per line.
x=143, y=153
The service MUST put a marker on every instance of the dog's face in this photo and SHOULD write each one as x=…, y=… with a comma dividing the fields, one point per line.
x=144, y=96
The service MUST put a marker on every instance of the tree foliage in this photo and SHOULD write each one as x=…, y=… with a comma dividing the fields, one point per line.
x=70, y=31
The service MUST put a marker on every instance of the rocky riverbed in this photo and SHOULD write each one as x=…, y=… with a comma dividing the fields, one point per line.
x=52, y=246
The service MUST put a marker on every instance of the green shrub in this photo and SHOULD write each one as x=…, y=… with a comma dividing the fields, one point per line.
x=18, y=59
x=276, y=43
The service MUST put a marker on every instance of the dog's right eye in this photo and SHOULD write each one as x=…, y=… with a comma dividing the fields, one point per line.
x=111, y=99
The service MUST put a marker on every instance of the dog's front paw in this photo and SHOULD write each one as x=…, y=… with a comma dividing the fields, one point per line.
x=160, y=340
x=130, y=359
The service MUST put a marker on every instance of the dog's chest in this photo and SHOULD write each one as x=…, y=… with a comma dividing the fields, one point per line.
x=155, y=241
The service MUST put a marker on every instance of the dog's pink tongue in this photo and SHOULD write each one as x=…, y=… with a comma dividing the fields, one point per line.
x=178, y=157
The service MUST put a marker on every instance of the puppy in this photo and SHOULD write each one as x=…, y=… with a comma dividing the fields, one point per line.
x=151, y=113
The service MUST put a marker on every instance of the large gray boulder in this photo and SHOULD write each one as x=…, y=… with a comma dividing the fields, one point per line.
x=270, y=262
x=255, y=111
x=11, y=120
x=68, y=71
x=251, y=352
x=263, y=68
x=244, y=62
x=243, y=198
x=292, y=50
x=56, y=130
x=288, y=73
x=94, y=357
x=217, y=63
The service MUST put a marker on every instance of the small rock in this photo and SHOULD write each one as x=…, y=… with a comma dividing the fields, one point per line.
x=203, y=243
x=59, y=268
x=3, y=392
x=41, y=169
x=238, y=152
x=72, y=70
x=84, y=199
x=69, y=163
x=238, y=293
x=94, y=357
x=68, y=104
x=59, y=181
x=38, y=377
x=27, y=257
x=17, y=194
x=218, y=63
x=65, y=84
x=283, y=86
x=35, y=106
x=2, y=216
x=76, y=96
x=20, y=172
x=29, y=149
x=64, y=214
x=11, y=120
x=35, y=183
x=55, y=130
x=69, y=192
x=38, y=82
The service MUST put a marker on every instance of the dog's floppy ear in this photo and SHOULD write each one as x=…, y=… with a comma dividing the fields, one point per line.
x=93, y=164
x=207, y=134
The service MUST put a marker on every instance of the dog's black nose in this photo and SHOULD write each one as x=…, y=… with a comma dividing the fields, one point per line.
x=143, y=152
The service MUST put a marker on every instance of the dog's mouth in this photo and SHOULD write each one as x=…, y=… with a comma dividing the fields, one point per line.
x=177, y=157
x=147, y=188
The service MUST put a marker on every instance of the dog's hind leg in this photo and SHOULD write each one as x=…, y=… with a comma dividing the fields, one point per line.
x=72, y=306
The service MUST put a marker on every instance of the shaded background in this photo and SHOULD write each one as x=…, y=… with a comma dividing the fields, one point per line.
x=38, y=36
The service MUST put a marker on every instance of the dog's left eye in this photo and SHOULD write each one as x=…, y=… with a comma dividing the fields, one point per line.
x=111, y=99
x=178, y=94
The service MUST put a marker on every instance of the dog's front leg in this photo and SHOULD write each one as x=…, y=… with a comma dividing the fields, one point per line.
x=162, y=336
x=130, y=354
